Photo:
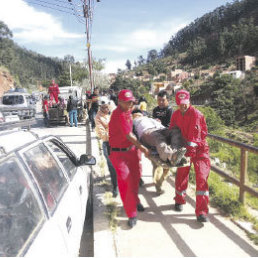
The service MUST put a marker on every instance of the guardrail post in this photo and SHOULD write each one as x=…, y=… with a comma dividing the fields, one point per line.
x=243, y=173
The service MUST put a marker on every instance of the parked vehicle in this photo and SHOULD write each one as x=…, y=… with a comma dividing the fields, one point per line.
x=5, y=117
x=57, y=114
x=44, y=192
x=18, y=103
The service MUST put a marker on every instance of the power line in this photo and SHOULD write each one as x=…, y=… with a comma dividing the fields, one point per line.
x=45, y=2
x=50, y=7
x=79, y=17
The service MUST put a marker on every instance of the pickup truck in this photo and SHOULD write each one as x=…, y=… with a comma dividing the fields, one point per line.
x=57, y=112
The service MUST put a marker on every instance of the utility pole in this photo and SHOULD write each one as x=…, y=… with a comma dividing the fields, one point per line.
x=86, y=11
x=71, y=75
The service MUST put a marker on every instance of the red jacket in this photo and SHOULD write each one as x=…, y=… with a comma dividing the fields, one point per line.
x=121, y=124
x=45, y=105
x=193, y=128
x=53, y=89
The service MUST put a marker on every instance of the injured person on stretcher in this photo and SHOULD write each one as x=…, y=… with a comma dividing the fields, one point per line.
x=167, y=144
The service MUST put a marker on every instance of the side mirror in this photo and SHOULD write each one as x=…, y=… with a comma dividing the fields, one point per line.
x=87, y=160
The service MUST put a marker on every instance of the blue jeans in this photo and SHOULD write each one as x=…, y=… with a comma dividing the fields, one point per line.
x=112, y=171
x=73, y=116
x=93, y=113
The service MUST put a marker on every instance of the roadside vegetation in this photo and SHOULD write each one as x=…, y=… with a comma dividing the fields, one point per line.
x=109, y=201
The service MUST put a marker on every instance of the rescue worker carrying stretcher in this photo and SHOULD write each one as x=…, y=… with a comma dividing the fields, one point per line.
x=194, y=131
x=124, y=155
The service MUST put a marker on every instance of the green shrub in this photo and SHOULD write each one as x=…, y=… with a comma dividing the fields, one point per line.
x=224, y=196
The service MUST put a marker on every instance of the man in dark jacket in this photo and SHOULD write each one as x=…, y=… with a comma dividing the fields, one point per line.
x=161, y=113
x=94, y=106
x=72, y=109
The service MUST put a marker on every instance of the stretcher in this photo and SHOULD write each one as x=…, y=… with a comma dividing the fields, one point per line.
x=181, y=160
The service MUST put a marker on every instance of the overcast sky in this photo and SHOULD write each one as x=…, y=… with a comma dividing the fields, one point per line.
x=121, y=29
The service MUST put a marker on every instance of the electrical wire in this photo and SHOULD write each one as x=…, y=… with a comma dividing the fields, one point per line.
x=78, y=16
x=50, y=7
x=45, y=2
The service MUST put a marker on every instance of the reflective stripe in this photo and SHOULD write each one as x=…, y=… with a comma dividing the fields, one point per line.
x=192, y=144
x=202, y=193
x=180, y=193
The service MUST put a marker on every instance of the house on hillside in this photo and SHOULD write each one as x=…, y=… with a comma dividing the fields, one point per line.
x=144, y=77
x=172, y=88
x=236, y=74
x=245, y=63
x=178, y=75
x=169, y=86
x=174, y=73
x=156, y=87
x=160, y=76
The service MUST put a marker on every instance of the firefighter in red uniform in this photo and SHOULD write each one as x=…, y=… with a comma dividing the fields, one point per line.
x=124, y=155
x=53, y=92
x=194, y=130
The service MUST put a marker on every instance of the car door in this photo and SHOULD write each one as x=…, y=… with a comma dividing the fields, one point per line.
x=22, y=216
x=59, y=198
x=78, y=175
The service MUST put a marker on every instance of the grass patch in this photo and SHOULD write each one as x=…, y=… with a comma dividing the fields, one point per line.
x=111, y=204
x=111, y=212
x=225, y=196
x=253, y=237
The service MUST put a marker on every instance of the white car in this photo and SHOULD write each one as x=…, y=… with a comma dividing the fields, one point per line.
x=44, y=192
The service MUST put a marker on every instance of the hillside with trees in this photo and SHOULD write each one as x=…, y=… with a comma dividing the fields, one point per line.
x=30, y=68
x=224, y=33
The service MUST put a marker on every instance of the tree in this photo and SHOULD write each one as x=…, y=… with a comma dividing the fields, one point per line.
x=152, y=55
x=141, y=60
x=69, y=59
x=128, y=64
x=4, y=31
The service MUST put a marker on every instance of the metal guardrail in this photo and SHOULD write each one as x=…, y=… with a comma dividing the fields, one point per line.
x=243, y=166
x=22, y=123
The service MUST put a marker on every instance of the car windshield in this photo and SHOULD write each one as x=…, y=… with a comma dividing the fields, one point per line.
x=20, y=214
x=13, y=100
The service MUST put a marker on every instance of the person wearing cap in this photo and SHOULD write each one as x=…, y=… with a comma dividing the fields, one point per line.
x=101, y=120
x=161, y=113
x=124, y=155
x=194, y=130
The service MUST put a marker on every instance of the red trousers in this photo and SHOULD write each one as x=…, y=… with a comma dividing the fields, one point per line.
x=128, y=169
x=53, y=95
x=202, y=170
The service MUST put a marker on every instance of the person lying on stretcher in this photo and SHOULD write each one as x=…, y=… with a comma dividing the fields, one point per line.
x=168, y=142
